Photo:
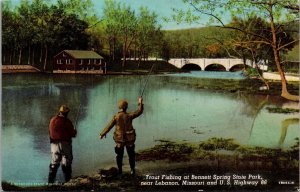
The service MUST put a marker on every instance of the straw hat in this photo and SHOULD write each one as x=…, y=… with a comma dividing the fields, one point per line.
x=123, y=104
x=64, y=109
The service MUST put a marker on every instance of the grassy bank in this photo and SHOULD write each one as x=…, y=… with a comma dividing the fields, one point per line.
x=216, y=156
x=142, y=67
x=249, y=86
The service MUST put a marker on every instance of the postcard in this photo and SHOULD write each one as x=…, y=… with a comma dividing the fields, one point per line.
x=160, y=95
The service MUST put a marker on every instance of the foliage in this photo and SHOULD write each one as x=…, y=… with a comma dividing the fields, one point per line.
x=39, y=31
x=251, y=72
x=282, y=110
x=218, y=143
x=214, y=148
x=277, y=14
x=167, y=150
x=136, y=34
x=293, y=55
x=35, y=31
x=196, y=42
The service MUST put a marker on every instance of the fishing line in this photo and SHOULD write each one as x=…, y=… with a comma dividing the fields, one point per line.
x=78, y=113
x=139, y=76
x=142, y=93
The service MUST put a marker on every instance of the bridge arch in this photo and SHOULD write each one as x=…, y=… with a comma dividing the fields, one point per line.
x=237, y=67
x=191, y=67
x=204, y=63
x=215, y=67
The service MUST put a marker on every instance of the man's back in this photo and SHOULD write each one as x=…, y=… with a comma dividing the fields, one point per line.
x=123, y=122
x=61, y=129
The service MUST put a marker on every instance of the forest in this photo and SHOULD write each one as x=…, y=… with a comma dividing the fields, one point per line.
x=35, y=31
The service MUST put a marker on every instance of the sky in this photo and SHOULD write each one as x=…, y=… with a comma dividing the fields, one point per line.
x=163, y=8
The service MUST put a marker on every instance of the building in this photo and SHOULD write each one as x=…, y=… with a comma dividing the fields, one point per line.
x=19, y=69
x=78, y=61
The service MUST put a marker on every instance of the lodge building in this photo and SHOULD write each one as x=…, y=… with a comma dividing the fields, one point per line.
x=78, y=61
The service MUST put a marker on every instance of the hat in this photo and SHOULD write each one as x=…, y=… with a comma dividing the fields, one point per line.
x=64, y=109
x=123, y=104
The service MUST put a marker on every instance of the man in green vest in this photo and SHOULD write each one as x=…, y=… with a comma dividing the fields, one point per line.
x=124, y=134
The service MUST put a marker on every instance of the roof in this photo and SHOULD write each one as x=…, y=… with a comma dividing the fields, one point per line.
x=81, y=54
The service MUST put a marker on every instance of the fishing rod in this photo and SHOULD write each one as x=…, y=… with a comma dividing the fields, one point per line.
x=77, y=116
x=147, y=80
x=78, y=112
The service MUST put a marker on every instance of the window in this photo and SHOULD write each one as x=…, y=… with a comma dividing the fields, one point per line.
x=81, y=62
x=97, y=61
x=58, y=61
x=89, y=62
x=69, y=61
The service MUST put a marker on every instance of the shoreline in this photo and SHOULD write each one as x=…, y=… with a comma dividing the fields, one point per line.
x=246, y=85
x=159, y=169
x=276, y=77
x=201, y=164
x=14, y=69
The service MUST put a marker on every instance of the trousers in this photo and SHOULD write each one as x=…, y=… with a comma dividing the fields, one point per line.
x=119, y=150
x=61, y=153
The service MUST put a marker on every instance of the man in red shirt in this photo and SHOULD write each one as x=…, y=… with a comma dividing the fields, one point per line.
x=61, y=131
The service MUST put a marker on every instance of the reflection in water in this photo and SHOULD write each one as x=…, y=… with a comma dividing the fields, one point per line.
x=172, y=111
x=284, y=126
x=259, y=108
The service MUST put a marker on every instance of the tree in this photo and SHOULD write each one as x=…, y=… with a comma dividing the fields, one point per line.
x=35, y=26
x=274, y=11
x=41, y=16
x=139, y=32
x=81, y=8
x=241, y=44
x=121, y=22
x=24, y=32
x=165, y=50
x=8, y=35
x=148, y=32
x=128, y=30
x=112, y=24
x=69, y=33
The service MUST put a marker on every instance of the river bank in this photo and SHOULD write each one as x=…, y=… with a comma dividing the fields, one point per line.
x=215, y=164
x=248, y=85
x=276, y=76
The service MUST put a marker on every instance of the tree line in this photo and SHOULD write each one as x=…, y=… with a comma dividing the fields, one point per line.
x=262, y=28
x=34, y=31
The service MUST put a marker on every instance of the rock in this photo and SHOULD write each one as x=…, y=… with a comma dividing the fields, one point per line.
x=97, y=176
x=112, y=172
x=263, y=88
x=85, y=181
x=69, y=184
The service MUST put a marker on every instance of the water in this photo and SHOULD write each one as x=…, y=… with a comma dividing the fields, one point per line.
x=172, y=111
x=213, y=74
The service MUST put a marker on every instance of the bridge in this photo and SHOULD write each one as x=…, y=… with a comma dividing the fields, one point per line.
x=204, y=63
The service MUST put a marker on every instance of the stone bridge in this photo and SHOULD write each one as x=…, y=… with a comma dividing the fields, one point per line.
x=203, y=63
